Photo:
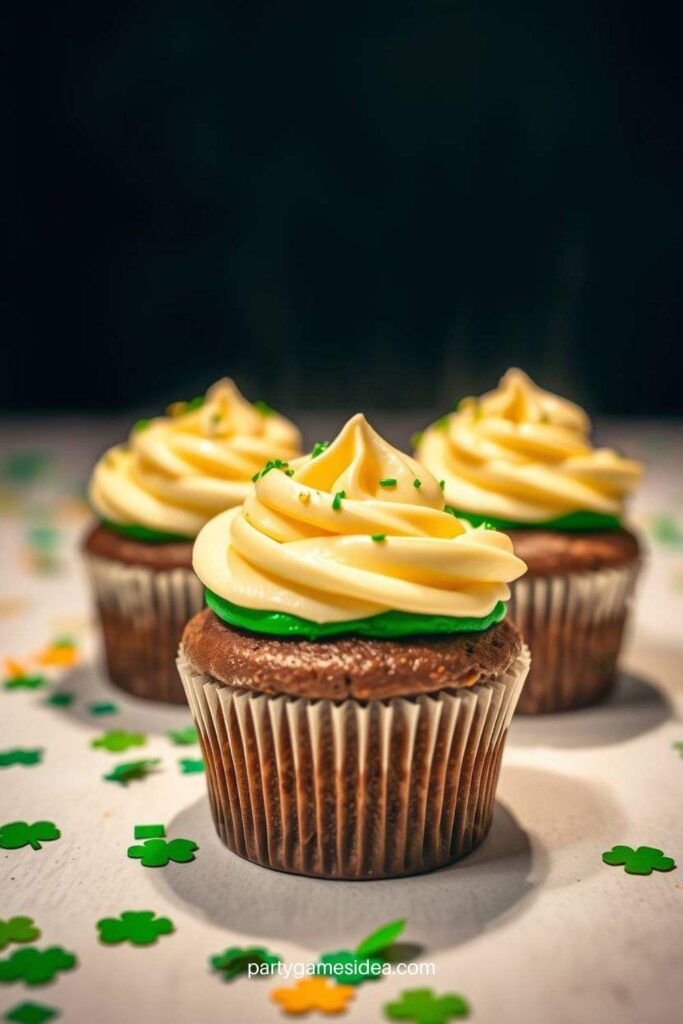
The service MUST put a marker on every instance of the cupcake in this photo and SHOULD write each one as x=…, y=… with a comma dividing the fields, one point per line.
x=152, y=497
x=521, y=459
x=354, y=675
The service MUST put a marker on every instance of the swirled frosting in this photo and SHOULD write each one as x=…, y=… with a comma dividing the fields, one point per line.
x=178, y=471
x=355, y=531
x=522, y=455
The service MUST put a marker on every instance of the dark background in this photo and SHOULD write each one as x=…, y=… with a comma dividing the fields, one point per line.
x=380, y=204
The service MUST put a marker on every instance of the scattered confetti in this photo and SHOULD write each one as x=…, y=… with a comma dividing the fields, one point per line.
x=139, y=927
x=157, y=853
x=642, y=861
x=36, y=966
x=667, y=531
x=678, y=746
x=18, y=929
x=190, y=765
x=24, y=467
x=183, y=737
x=31, y=1013
x=150, y=832
x=132, y=771
x=62, y=699
x=17, y=834
x=236, y=960
x=423, y=1007
x=106, y=707
x=61, y=653
x=116, y=741
x=365, y=962
x=14, y=668
x=24, y=682
x=8, y=758
x=313, y=994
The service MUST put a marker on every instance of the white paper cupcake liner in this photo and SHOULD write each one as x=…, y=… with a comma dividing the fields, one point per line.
x=352, y=790
x=143, y=613
x=574, y=627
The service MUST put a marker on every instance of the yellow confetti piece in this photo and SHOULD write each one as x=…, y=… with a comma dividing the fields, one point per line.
x=58, y=655
x=14, y=669
x=313, y=994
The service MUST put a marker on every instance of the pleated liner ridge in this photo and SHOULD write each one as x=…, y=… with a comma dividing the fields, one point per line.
x=352, y=790
x=574, y=626
x=143, y=614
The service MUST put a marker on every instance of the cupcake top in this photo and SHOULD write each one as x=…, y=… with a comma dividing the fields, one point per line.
x=179, y=470
x=352, y=538
x=521, y=456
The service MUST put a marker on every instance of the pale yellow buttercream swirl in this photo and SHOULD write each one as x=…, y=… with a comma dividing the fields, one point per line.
x=293, y=548
x=522, y=454
x=178, y=471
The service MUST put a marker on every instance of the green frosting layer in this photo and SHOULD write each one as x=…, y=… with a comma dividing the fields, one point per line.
x=386, y=625
x=572, y=521
x=144, y=533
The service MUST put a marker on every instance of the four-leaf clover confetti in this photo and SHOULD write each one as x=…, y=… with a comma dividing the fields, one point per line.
x=191, y=765
x=313, y=994
x=8, y=758
x=17, y=834
x=642, y=861
x=25, y=682
x=18, y=929
x=130, y=771
x=61, y=699
x=31, y=1013
x=105, y=707
x=117, y=740
x=157, y=853
x=183, y=737
x=366, y=961
x=36, y=966
x=422, y=1006
x=140, y=927
x=237, y=959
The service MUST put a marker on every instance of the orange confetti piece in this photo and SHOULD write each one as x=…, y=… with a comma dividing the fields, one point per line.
x=313, y=994
x=14, y=669
x=58, y=655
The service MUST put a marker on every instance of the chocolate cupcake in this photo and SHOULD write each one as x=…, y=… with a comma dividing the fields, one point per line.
x=353, y=677
x=521, y=459
x=152, y=496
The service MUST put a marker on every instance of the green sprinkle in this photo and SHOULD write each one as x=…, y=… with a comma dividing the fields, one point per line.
x=289, y=472
x=337, y=500
x=318, y=448
x=389, y=481
x=544, y=418
x=416, y=439
x=256, y=476
x=442, y=423
x=194, y=403
x=141, y=425
x=417, y=484
x=216, y=418
x=264, y=408
x=378, y=536
x=442, y=484
x=270, y=464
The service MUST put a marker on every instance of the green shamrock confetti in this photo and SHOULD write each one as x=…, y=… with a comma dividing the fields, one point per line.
x=150, y=832
x=36, y=966
x=60, y=700
x=31, y=1013
x=131, y=771
x=105, y=707
x=139, y=927
x=236, y=960
x=17, y=834
x=365, y=962
x=8, y=758
x=25, y=682
x=157, y=853
x=642, y=861
x=422, y=1006
x=190, y=765
x=18, y=929
x=117, y=740
x=678, y=746
x=183, y=737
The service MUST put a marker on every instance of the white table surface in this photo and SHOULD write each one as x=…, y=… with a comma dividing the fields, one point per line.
x=531, y=927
